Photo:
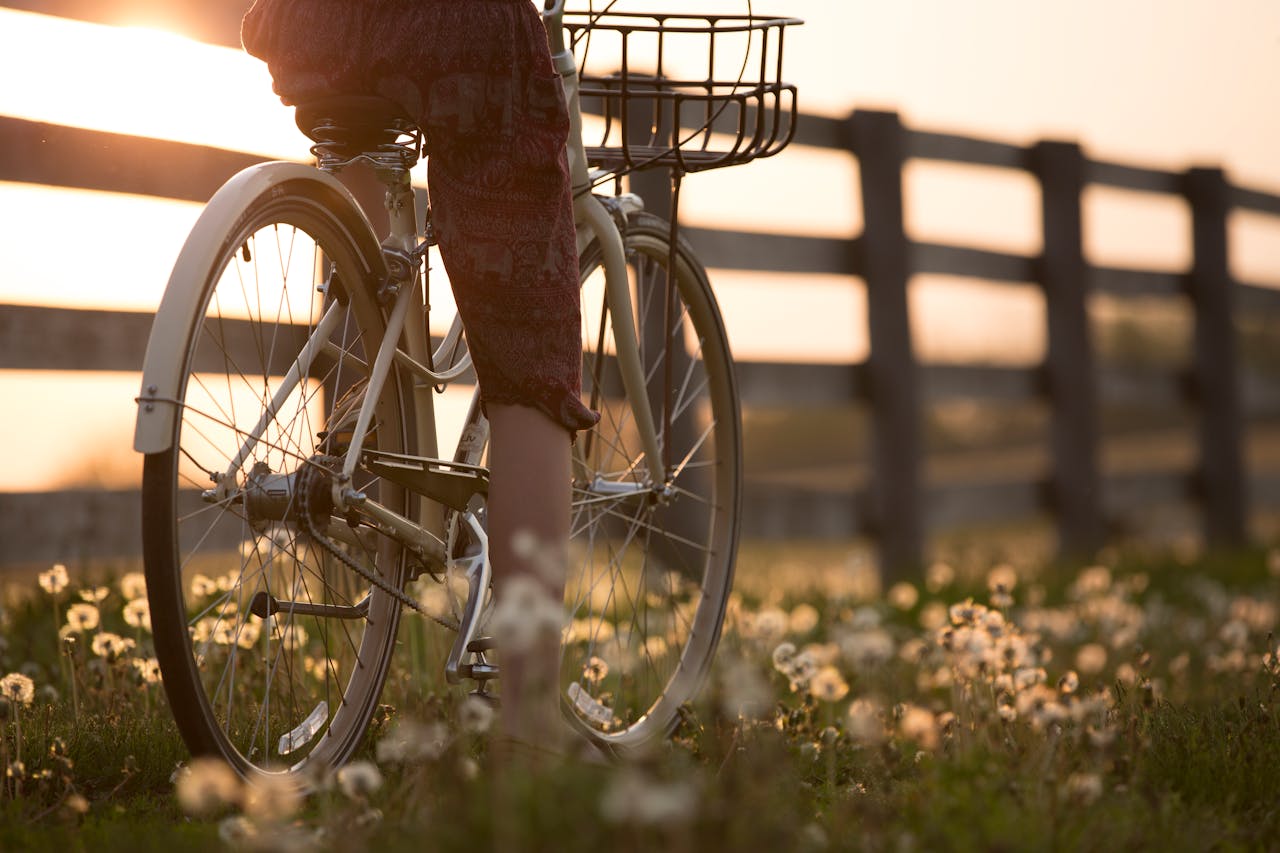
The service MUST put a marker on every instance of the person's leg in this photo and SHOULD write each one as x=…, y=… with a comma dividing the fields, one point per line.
x=529, y=492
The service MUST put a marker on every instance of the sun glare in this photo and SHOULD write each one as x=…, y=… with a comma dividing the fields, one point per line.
x=140, y=81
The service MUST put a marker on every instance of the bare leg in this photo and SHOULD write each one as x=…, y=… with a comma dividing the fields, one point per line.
x=529, y=492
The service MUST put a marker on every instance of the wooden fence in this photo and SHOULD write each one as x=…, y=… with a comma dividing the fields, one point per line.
x=897, y=508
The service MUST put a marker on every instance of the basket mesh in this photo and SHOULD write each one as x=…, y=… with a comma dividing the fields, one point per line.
x=689, y=92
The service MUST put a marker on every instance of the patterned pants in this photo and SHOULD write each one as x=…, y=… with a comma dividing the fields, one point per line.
x=477, y=76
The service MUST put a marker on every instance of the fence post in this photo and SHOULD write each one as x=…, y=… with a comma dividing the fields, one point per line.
x=1069, y=363
x=1220, y=478
x=878, y=139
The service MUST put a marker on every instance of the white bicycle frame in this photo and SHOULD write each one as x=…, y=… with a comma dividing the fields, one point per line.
x=407, y=344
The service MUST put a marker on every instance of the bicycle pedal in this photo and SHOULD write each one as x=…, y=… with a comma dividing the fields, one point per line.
x=478, y=671
x=482, y=644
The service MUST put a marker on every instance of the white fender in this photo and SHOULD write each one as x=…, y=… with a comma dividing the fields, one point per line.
x=162, y=372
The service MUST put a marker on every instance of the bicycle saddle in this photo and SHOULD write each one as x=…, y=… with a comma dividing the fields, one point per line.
x=350, y=125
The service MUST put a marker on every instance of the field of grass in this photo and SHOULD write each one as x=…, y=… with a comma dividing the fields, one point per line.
x=1129, y=704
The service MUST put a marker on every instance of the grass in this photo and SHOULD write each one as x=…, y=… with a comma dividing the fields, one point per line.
x=1130, y=705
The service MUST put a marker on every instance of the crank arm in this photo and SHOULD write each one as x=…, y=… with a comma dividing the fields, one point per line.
x=478, y=578
x=264, y=604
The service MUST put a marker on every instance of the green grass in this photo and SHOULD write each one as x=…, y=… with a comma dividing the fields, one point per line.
x=1174, y=743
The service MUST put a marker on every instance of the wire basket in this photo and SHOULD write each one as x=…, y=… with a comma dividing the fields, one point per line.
x=682, y=91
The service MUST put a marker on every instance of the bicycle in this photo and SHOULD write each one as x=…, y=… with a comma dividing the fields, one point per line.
x=293, y=493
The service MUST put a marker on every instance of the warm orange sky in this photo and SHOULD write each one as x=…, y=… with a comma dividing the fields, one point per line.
x=1167, y=83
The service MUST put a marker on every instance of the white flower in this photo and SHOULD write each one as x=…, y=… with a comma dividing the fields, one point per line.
x=525, y=613
x=137, y=614
x=133, y=586
x=903, y=595
x=828, y=685
x=865, y=721
x=55, y=580
x=94, y=595
x=18, y=688
x=359, y=779
x=207, y=785
x=271, y=797
x=83, y=617
x=632, y=797
x=475, y=715
x=410, y=742
x=803, y=619
x=110, y=646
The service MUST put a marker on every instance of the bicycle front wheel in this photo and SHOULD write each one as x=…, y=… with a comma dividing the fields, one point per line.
x=273, y=649
x=651, y=564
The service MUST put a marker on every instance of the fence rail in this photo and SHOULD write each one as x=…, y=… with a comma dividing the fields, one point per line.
x=893, y=503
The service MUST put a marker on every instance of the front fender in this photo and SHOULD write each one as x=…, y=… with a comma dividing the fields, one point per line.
x=182, y=303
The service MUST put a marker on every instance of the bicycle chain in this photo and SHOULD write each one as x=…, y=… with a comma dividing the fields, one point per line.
x=304, y=497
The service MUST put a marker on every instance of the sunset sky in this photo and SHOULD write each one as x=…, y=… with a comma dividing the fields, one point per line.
x=1164, y=83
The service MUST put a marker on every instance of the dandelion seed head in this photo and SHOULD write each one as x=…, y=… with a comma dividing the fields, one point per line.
x=865, y=721
x=939, y=576
x=110, y=646
x=1083, y=788
x=133, y=586
x=95, y=595
x=83, y=617
x=1091, y=658
x=1002, y=578
x=359, y=779
x=55, y=580
x=803, y=619
x=203, y=586
x=903, y=595
x=206, y=785
x=272, y=797
x=18, y=688
x=828, y=685
x=919, y=725
x=744, y=692
x=412, y=742
x=137, y=614
x=475, y=715
x=783, y=654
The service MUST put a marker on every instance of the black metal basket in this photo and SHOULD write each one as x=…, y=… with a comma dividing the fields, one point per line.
x=688, y=92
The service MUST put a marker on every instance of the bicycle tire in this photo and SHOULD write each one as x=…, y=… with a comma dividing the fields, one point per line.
x=295, y=694
x=650, y=573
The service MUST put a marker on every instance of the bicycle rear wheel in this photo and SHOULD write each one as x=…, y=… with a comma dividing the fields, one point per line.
x=651, y=564
x=273, y=652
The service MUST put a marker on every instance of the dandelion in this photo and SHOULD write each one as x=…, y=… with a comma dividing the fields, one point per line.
x=94, y=595
x=203, y=586
x=783, y=654
x=359, y=779
x=933, y=616
x=903, y=595
x=237, y=832
x=1068, y=683
x=133, y=586
x=55, y=580
x=525, y=613
x=148, y=670
x=137, y=614
x=744, y=693
x=207, y=785
x=1002, y=577
x=411, y=742
x=939, y=576
x=1092, y=581
x=1083, y=788
x=865, y=723
x=18, y=688
x=635, y=798
x=83, y=617
x=919, y=725
x=828, y=685
x=110, y=646
x=595, y=670
x=769, y=624
x=475, y=715
x=1091, y=658
x=802, y=619
x=271, y=797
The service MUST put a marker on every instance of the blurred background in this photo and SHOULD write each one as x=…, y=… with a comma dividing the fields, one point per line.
x=93, y=219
